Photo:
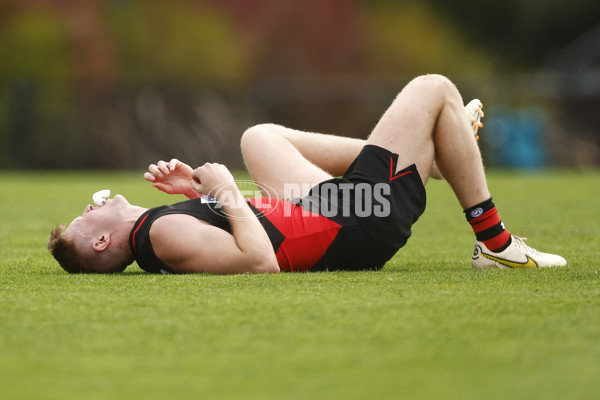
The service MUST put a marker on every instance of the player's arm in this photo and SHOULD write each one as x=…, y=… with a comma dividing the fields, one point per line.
x=189, y=245
x=173, y=177
x=251, y=240
x=185, y=246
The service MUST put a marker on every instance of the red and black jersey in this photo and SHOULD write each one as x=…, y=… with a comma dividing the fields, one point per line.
x=299, y=239
x=342, y=224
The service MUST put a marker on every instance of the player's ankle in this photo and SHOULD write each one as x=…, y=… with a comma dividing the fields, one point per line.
x=487, y=226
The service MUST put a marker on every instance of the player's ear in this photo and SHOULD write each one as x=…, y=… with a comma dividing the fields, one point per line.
x=102, y=242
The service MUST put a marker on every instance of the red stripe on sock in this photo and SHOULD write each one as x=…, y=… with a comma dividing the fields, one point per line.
x=486, y=223
x=485, y=215
x=497, y=242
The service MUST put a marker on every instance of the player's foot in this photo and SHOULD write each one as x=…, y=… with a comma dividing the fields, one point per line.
x=474, y=111
x=517, y=255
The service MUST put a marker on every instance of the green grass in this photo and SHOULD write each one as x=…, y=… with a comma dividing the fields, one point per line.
x=425, y=327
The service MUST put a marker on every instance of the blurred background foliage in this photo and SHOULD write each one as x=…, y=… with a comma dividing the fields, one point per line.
x=122, y=83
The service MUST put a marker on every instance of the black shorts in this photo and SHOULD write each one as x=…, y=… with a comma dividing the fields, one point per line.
x=375, y=207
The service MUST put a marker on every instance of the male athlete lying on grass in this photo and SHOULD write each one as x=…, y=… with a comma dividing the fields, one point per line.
x=357, y=221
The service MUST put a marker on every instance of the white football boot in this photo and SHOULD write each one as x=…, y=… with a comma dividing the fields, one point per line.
x=474, y=111
x=516, y=255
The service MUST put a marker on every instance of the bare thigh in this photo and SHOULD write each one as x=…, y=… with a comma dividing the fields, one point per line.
x=278, y=157
x=407, y=127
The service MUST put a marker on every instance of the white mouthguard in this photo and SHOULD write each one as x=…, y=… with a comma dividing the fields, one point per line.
x=101, y=196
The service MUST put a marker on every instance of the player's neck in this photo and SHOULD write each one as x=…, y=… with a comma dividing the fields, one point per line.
x=135, y=213
x=129, y=218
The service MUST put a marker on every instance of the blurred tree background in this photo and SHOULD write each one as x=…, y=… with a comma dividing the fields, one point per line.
x=122, y=83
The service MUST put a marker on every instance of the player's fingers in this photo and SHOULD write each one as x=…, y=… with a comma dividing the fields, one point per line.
x=162, y=166
x=173, y=164
x=153, y=169
x=197, y=186
x=196, y=174
x=149, y=177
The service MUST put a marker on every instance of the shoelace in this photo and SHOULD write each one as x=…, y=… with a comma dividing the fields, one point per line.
x=521, y=243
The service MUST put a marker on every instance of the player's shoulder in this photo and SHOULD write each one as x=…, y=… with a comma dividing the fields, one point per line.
x=170, y=225
x=176, y=240
x=186, y=243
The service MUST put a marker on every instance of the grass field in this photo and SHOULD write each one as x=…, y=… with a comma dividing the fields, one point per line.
x=425, y=327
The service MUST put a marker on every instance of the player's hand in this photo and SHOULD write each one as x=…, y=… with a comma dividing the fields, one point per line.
x=174, y=177
x=212, y=180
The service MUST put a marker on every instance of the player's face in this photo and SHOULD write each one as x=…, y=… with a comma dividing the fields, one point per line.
x=99, y=217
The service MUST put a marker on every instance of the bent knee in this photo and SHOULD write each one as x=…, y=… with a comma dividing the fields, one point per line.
x=434, y=81
x=254, y=139
x=255, y=134
x=251, y=137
